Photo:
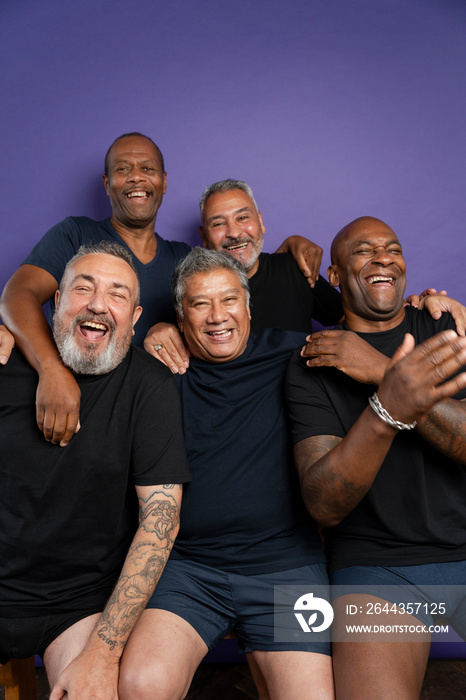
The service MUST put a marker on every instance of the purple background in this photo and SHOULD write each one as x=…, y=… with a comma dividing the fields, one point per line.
x=330, y=109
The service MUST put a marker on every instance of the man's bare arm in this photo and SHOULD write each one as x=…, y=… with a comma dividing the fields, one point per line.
x=444, y=427
x=58, y=394
x=336, y=473
x=94, y=673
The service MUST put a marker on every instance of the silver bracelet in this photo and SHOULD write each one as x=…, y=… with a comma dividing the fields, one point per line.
x=384, y=415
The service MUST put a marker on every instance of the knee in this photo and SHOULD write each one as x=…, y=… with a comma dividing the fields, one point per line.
x=152, y=681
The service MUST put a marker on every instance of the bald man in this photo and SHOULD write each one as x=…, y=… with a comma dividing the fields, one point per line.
x=379, y=426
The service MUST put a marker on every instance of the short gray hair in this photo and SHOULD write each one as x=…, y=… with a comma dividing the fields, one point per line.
x=104, y=248
x=203, y=260
x=225, y=186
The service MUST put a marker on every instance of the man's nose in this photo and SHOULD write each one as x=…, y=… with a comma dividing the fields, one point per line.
x=235, y=229
x=136, y=175
x=382, y=256
x=217, y=313
x=98, y=303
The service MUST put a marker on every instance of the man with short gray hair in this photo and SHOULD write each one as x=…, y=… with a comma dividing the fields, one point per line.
x=243, y=529
x=76, y=570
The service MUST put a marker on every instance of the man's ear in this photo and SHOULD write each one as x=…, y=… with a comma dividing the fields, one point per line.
x=57, y=297
x=179, y=321
x=333, y=277
x=203, y=236
x=261, y=222
x=136, y=314
x=105, y=181
x=164, y=190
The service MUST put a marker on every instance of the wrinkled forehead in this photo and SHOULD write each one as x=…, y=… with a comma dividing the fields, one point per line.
x=223, y=203
x=101, y=268
x=130, y=147
x=362, y=231
x=212, y=283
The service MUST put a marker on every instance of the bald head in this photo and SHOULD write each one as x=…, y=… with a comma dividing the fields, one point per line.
x=356, y=228
x=368, y=266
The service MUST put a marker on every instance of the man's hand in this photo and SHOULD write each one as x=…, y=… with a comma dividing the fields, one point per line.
x=58, y=401
x=307, y=254
x=90, y=676
x=415, y=299
x=417, y=377
x=347, y=352
x=436, y=305
x=173, y=352
x=7, y=343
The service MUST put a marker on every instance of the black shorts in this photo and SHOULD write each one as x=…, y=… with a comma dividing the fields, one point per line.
x=21, y=637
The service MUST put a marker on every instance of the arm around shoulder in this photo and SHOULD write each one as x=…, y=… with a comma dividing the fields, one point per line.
x=58, y=395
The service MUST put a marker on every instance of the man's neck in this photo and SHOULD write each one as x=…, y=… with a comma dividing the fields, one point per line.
x=250, y=273
x=363, y=325
x=141, y=241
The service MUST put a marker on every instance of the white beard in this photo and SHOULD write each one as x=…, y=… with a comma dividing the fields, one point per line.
x=90, y=360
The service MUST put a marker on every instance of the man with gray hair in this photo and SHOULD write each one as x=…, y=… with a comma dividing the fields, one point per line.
x=281, y=296
x=243, y=529
x=77, y=571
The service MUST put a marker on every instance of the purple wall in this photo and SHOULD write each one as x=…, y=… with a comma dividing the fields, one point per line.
x=328, y=109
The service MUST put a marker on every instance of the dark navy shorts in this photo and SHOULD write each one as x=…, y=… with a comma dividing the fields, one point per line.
x=21, y=637
x=432, y=589
x=217, y=602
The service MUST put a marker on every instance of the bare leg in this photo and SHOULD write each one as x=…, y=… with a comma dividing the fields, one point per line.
x=386, y=670
x=67, y=646
x=296, y=674
x=160, y=658
x=258, y=678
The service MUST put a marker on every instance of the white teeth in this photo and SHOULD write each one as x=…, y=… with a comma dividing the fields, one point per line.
x=225, y=332
x=137, y=194
x=236, y=247
x=380, y=279
x=97, y=326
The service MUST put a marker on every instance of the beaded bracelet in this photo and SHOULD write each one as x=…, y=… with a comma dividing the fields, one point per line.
x=384, y=415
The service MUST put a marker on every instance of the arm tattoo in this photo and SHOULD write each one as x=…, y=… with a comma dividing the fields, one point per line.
x=325, y=491
x=158, y=525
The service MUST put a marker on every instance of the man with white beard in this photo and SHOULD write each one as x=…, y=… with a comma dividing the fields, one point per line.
x=76, y=570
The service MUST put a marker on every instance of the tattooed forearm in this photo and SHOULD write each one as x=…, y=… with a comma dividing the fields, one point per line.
x=445, y=429
x=159, y=514
x=327, y=494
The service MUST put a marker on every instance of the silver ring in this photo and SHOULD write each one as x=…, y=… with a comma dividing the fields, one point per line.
x=158, y=347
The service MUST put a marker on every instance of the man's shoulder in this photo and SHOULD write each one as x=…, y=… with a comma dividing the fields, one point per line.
x=142, y=362
x=279, y=261
x=83, y=223
x=274, y=342
x=421, y=324
x=178, y=249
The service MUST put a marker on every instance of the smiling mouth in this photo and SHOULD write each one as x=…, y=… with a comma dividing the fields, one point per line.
x=236, y=246
x=380, y=279
x=92, y=330
x=221, y=335
x=138, y=193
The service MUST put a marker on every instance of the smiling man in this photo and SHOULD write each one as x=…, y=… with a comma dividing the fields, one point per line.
x=280, y=294
x=135, y=182
x=77, y=571
x=243, y=527
x=380, y=447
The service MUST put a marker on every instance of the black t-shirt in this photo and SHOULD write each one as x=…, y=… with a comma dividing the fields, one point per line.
x=414, y=512
x=282, y=298
x=243, y=511
x=68, y=515
x=63, y=240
